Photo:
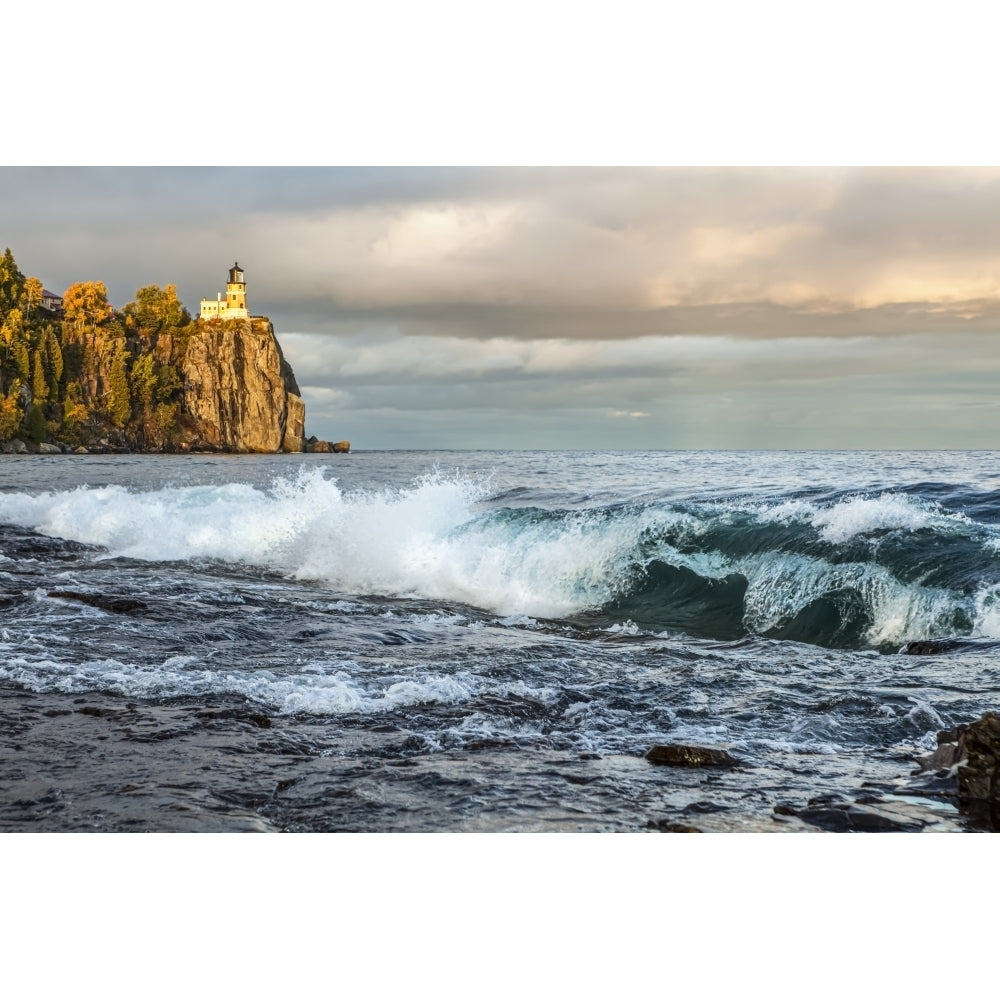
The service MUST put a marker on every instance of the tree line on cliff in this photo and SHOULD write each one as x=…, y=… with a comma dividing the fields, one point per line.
x=92, y=373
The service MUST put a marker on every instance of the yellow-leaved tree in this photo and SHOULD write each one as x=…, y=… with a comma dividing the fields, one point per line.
x=87, y=301
x=31, y=295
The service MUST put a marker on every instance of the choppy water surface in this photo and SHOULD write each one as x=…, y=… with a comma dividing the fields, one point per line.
x=486, y=640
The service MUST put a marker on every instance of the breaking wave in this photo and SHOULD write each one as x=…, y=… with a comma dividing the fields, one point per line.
x=846, y=571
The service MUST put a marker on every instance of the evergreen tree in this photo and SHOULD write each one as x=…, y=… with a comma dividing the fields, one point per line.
x=143, y=381
x=119, y=402
x=53, y=361
x=36, y=429
x=21, y=358
x=39, y=384
x=11, y=282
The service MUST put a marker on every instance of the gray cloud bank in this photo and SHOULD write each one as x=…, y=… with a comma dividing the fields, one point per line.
x=675, y=307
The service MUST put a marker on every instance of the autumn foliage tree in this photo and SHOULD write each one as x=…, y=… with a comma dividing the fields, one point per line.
x=31, y=295
x=87, y=302
x=156, y=309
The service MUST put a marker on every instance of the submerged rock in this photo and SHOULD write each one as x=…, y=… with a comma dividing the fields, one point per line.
x=667, y=826
x=119, y=605
x=678, y=755
x=930, y=647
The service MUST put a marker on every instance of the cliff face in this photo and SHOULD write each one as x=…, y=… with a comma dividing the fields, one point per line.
x=239, y=391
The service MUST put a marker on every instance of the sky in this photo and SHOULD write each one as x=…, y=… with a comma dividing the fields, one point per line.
x=571, y=307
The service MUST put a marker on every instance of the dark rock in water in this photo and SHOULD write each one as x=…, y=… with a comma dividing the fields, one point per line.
x=930, y=647
x=847, y=818
x=314, y=444
x=979, y=776
x=703, y=807
x=119, y=605
x=666, y=826
x=950, y=751
x=678, y=755
x=256, y=718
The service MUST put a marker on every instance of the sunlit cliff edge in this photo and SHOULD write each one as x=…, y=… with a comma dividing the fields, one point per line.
x=76, y=374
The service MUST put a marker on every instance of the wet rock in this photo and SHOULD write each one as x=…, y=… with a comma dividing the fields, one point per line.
x=14, y=447
x=979, y=775
x=679, y=755
x=257, y=719
x=703, y=807
x=314, y=444
x=950, y=751
x=930, y=647
x=119, y=605
x=668, y=826
x=845, y=817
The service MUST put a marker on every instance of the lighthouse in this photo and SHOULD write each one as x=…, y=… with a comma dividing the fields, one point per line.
x=235, y=304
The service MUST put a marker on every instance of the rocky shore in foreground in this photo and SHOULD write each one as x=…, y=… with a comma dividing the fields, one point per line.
x=962, y=774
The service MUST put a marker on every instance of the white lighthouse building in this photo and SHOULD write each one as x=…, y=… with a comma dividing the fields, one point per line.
x=235, y=304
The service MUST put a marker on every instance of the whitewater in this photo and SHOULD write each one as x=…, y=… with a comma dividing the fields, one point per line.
x=392, y=641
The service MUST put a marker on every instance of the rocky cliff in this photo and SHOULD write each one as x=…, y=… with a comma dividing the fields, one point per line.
x=147, y=377
x=239, y=391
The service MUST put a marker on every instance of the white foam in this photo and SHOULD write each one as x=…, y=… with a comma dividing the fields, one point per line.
x=428, y=540
x=316, y=689
x=986, y=611
x=863, y=515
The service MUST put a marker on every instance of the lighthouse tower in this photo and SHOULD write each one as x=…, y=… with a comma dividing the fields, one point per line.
x=236, y=291
x=235, y=304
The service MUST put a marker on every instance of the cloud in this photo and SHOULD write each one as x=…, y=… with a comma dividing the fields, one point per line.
x=639, y=245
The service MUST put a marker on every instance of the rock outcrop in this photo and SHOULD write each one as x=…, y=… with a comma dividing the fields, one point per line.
x=979, y=774
x=681, y=755
x=314, y=444
x=240, y=391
